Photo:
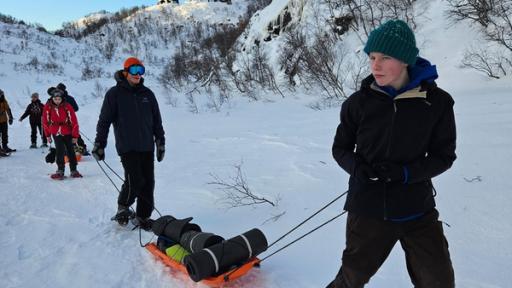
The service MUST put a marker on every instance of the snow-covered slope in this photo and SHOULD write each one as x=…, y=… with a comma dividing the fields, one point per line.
x=59, y=234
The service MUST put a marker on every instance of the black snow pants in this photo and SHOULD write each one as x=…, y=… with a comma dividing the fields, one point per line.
x=369, y=242
x=5, y=137
x=34, y=126
x=64, y=145
x=139, y=182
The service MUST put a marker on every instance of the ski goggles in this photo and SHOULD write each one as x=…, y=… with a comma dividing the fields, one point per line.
x=136, y=70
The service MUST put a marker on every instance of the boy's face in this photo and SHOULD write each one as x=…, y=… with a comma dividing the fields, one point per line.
x=387, y=70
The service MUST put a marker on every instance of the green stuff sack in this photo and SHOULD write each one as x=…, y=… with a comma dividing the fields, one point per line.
x=176, y=253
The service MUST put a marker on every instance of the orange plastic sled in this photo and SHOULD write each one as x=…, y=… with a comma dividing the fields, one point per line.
x=217, y=281
x=78, y=158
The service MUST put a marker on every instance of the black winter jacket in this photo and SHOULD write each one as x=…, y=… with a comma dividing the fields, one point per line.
x=34, y=112
x=71, y=100
x=416, y=129
x=135, y=115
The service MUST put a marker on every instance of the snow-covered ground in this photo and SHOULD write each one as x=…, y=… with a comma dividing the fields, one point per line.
x=59, y=234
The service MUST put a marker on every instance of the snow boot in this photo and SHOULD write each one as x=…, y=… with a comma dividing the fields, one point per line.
x=59, y=175
x=3, y=153
x=143, y=223
x=75, y=174
x=8, y=150
x=44, y=145
x=33, y=146
x=123, y=215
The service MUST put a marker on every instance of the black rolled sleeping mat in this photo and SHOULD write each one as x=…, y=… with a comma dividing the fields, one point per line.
x=221, y=257
x=194, y=241
x=173, y=228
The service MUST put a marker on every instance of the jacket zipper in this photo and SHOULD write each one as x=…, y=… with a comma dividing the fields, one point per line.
x=388, y=152
x=139, y=115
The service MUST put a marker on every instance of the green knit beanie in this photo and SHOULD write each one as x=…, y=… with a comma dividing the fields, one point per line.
x=393, y=38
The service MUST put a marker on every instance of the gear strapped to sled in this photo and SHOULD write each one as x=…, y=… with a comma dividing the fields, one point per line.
x=205, y=257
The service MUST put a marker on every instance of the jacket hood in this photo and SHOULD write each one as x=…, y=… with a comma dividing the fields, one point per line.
x=421, y=73
x=121, y=80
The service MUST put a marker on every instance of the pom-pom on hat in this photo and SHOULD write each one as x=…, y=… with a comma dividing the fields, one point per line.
x=393, y=38
x=61, y=86
x=132, y=61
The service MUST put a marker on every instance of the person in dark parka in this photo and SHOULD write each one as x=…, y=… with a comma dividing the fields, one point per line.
x=395, y=134
x=5, y=117
x=133, y=110
x=34, y=112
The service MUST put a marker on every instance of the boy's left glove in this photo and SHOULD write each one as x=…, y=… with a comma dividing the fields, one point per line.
x=160, y=150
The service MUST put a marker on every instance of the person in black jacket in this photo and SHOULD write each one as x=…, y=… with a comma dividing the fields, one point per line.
x=34, y=112
x=395, y=134
x=5, y=117
x=133, y=110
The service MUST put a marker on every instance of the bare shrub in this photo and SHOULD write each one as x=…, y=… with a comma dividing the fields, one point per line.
x=494, y=17
x=237, y=191
x=364, y=15
x=486, y=61
x=98, y=90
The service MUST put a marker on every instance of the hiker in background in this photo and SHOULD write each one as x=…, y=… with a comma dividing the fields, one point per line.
x=34, y=112
x=5, y=117
x=60, y=122
x=71, y=100
x=395, y=134
x=133, y=110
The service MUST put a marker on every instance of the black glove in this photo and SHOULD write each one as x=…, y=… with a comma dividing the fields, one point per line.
x=364, y=173
x=98, y=152
x=160, y=151
x=10, y=121
x=391, y=172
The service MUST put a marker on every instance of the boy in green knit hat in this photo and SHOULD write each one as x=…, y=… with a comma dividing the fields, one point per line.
x=396, y=133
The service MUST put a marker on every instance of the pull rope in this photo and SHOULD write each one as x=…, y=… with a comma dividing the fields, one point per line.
x=120, y=178
x=306, y=234
x=307, y=219
x=226, y=278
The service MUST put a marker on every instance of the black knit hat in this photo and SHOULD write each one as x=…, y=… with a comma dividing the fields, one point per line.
x=56, y=92
x=61, y=86
x=393, y=38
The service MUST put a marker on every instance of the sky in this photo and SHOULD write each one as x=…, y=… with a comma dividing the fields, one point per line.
x=52, y=13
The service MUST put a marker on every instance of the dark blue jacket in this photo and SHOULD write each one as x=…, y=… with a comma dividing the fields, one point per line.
x=135, y=115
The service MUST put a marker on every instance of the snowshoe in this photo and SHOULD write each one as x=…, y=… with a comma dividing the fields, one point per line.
x=75, y=174
x=123, y=216
x=3, y=153
x=44, y=145
x=59, y=175
x=33, y=146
